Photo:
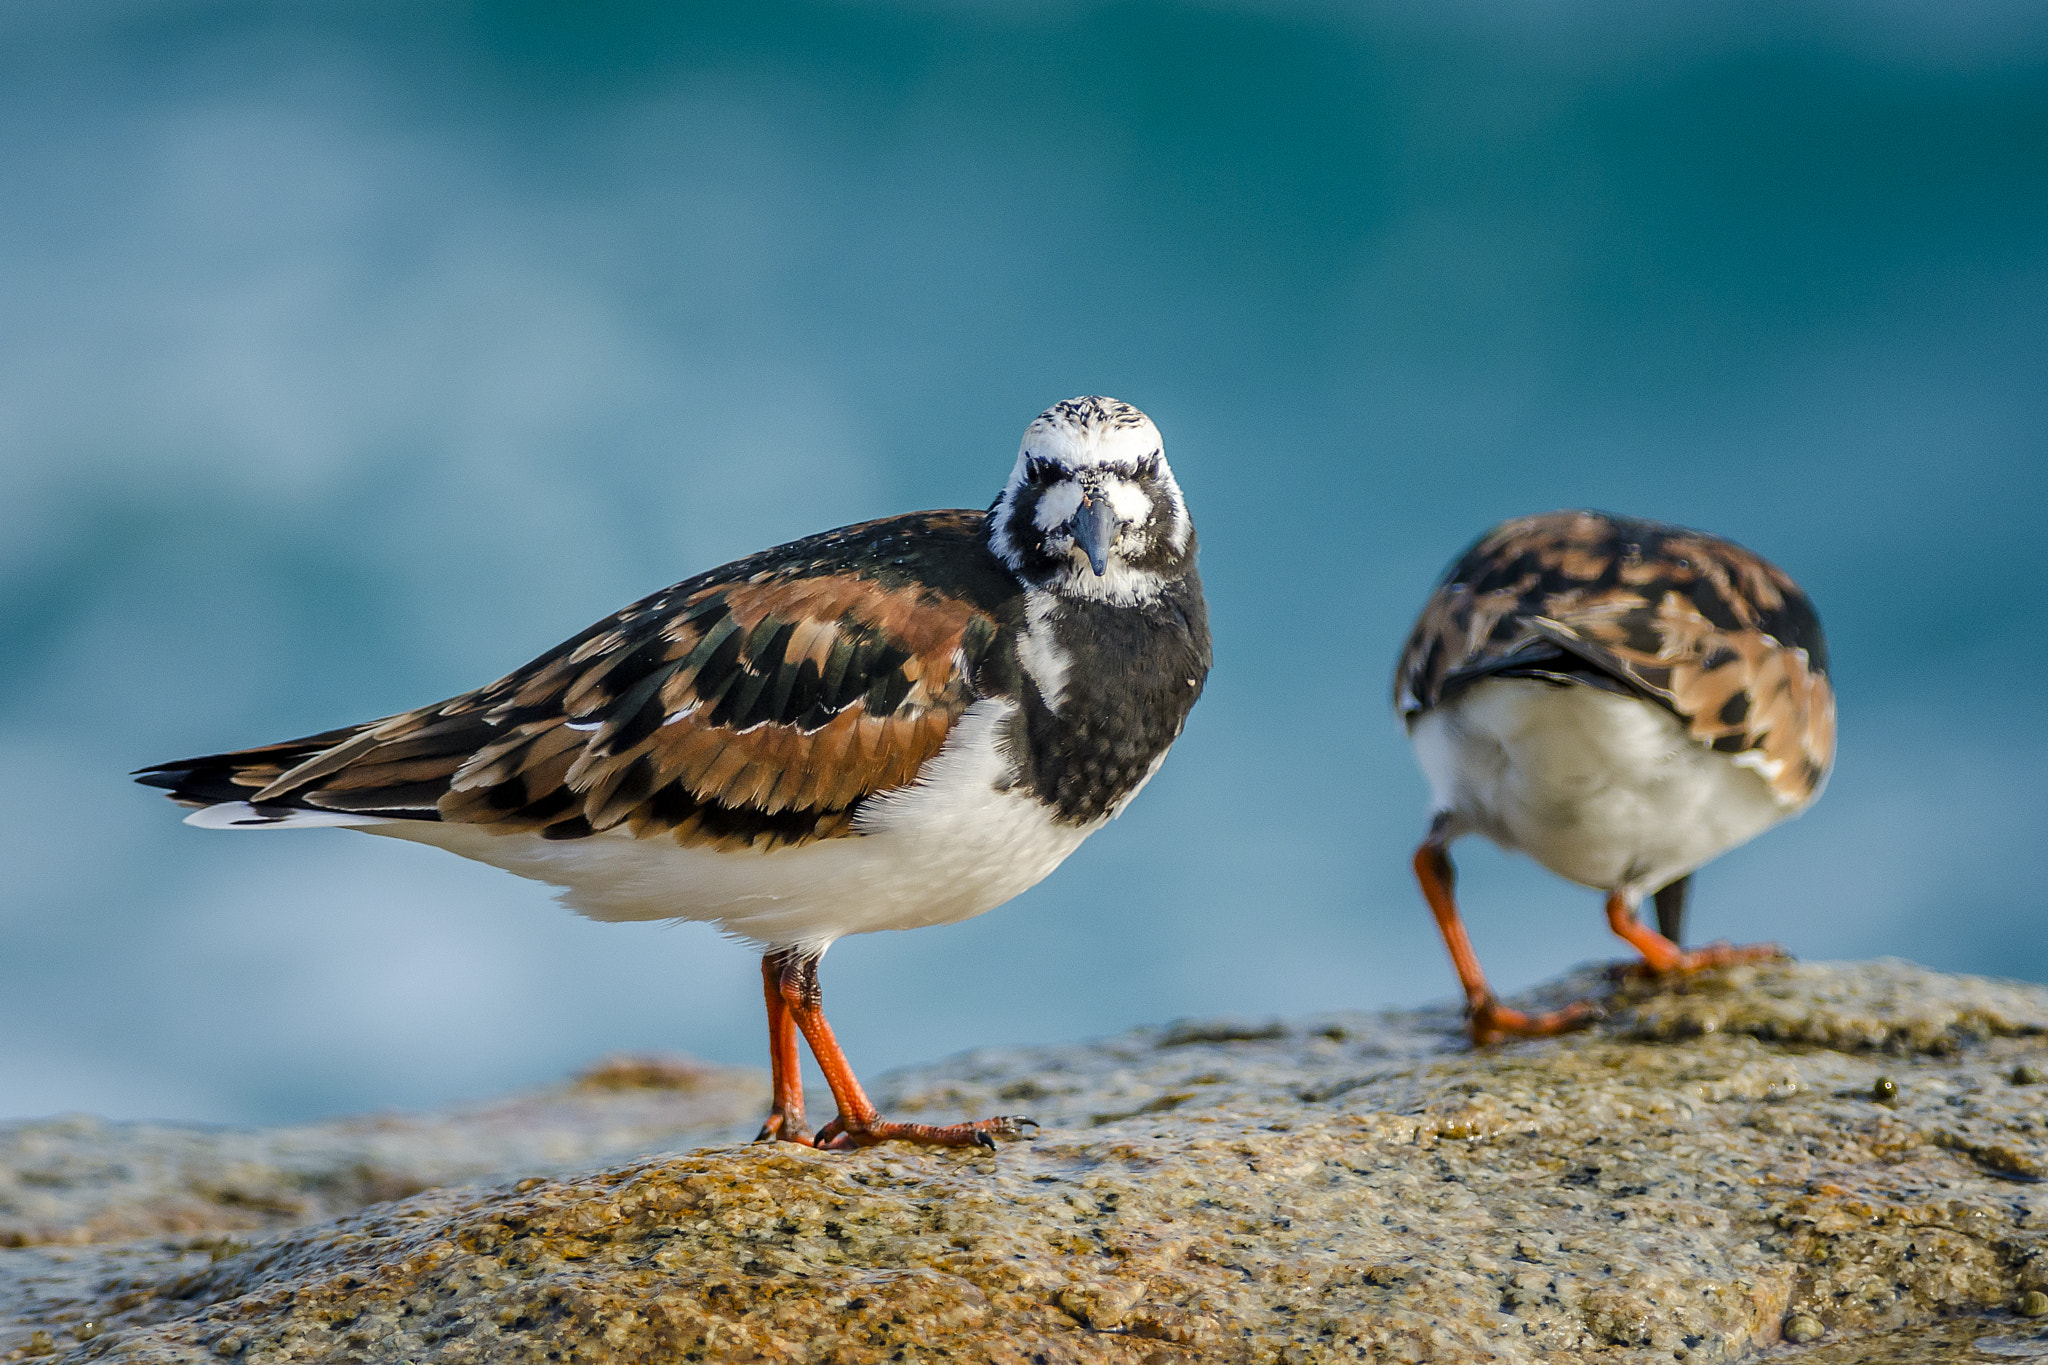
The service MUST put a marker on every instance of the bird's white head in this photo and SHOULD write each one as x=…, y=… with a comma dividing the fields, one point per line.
x=1092, y=509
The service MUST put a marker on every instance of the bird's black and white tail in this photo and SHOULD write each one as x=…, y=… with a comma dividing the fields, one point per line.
x=218, y=787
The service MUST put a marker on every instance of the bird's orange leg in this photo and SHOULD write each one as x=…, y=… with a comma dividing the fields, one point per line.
x=1489, y=1020
x=1661, y=955
x=859, y=1124
x=786, y=1117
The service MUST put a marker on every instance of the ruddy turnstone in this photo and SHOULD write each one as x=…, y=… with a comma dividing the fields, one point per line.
x=900, y=723
x=1621, y=700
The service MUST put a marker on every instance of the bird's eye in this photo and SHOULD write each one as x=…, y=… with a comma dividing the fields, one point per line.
x=1037, y=470
x=1148, y=468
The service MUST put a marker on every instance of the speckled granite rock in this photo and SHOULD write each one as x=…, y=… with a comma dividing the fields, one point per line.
x=1841, y=1146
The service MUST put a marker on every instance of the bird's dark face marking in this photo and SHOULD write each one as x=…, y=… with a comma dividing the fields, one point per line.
x=1092, y=509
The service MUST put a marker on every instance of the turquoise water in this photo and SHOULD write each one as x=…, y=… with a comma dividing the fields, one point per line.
x=352, y=354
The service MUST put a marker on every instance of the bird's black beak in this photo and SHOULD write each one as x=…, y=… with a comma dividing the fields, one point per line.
x=1094, y=529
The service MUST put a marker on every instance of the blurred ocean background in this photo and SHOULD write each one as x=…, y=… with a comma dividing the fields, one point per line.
x=353, y=353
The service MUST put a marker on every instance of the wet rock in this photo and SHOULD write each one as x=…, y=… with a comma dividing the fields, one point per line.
x=1887, y=1005
x=1966, y=1341
x=1226, y=1029
x=1337, y=1188
x=78, y=1179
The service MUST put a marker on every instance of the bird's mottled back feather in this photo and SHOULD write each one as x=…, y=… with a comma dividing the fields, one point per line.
x=1719, y=635
x=752, y=706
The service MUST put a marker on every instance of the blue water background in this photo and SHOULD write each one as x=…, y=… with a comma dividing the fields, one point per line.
x=352, y=354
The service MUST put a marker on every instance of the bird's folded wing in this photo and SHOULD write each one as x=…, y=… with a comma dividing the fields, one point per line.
x=751, y=707
x=1717, y=635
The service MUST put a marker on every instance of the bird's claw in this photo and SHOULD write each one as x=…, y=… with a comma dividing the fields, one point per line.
x=1489, y=1021
x=841, y=1136
x=784, y=1128
x=1721, y=954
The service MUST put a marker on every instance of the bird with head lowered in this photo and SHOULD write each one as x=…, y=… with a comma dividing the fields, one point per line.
x=901, y=723
x=1623, y=701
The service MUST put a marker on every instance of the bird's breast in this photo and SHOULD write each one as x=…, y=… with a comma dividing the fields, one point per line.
x=1113, y=686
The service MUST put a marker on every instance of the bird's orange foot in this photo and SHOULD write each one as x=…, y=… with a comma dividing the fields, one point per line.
x=1712, y=955
x=784, y=1127
x=1492, y=1022
x=842, y=1134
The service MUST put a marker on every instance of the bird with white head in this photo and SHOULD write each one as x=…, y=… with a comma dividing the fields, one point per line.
x=896, y=724
x=1092, y=509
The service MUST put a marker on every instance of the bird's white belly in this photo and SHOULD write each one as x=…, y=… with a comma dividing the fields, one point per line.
x=1603, y=789
x=946, y=848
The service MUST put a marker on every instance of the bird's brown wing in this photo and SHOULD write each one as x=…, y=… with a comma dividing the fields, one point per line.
x=753, y=706
x=1718, y=635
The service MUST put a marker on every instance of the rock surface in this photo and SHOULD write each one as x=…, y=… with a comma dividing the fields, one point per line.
x=1855, y=1147
x=78, y=1179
